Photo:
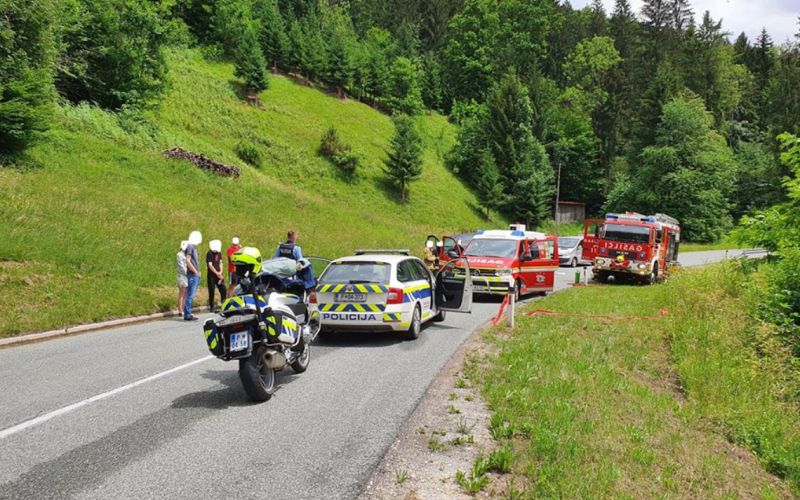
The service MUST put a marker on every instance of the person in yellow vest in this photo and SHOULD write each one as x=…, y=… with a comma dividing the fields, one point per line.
x=428, y=255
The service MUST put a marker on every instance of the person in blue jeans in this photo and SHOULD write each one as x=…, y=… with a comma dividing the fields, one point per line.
x=192, y=273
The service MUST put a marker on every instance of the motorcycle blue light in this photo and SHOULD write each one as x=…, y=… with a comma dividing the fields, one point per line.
x=603, y=250
x=641, y=255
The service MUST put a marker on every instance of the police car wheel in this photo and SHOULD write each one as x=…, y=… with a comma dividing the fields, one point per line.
x=573, y=262
x=416, y=325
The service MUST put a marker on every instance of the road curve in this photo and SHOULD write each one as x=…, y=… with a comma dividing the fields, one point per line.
x=144, y=412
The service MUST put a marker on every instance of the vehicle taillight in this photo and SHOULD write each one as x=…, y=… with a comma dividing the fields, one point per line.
x=394, y=296
x=312, y=297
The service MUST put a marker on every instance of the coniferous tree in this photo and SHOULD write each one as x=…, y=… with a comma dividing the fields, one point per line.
x=249, y=61
x=521, y=160
x=599, y=22
x=273, y=37
x=762, y=59
x=404, y=162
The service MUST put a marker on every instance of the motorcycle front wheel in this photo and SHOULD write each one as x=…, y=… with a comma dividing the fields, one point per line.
x=257, y=378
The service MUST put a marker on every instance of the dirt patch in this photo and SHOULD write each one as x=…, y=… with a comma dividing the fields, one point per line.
x=443, y=436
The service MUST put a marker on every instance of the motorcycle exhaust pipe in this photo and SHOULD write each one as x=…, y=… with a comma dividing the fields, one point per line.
x=274, y=359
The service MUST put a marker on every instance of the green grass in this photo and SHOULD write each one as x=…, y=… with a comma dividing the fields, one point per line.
x=647, y=408
x=92, y=232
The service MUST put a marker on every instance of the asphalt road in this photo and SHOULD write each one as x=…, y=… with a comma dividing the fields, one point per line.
x=144, y=412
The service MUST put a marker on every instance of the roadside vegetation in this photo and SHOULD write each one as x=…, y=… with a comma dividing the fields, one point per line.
x=689, y=393
x=91, y=227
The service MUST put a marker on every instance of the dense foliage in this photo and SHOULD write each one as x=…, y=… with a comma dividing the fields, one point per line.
x=778, y=229
x=600, y=103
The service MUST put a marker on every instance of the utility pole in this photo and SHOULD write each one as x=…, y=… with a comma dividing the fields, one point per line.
x=558, y=193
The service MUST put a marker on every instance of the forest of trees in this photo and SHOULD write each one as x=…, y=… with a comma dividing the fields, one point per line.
x=660, y=110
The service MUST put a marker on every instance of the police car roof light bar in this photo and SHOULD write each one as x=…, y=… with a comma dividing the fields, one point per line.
x=390, y=251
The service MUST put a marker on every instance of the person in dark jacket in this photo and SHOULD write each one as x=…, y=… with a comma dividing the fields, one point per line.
x=216, y=280
x=289, y=249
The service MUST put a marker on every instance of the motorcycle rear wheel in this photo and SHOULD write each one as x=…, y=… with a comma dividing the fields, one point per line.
x=301, y=363
x=257, y=378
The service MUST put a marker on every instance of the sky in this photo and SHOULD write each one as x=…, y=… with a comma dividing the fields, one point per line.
x=778, y=16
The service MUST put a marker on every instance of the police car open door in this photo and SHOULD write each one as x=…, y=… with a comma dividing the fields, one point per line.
x=453, y=287
x=318, y=264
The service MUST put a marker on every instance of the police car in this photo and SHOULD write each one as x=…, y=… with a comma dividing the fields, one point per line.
x=388, y=290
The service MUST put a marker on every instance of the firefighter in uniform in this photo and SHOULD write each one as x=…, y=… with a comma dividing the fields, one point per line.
x=290, y=249
x=428, y=256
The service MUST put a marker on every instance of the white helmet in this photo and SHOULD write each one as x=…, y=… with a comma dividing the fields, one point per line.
x=215, y=245
x=235, y=240
x=195, y=238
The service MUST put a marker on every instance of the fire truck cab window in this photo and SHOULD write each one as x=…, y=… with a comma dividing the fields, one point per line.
x=659, y=234
x=528, y=250
x=550, y=247
x=628, y=234
x=492, y=248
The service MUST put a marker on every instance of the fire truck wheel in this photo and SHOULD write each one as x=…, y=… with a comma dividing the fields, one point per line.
x=602, y=276
x=651, y=278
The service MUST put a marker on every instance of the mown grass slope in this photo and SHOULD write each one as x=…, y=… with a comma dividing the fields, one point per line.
x=683, y=396
x=91, y=231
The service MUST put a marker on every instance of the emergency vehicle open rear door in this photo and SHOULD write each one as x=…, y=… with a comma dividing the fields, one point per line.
x=453, y=290
x=591, y=238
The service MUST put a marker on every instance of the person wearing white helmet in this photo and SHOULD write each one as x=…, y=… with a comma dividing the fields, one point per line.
x=428, y=256
x=183, y=281
x=192, y=273
x=233, y=278
x=216, y=280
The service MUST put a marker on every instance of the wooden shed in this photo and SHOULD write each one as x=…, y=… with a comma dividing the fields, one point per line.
x=570, y=211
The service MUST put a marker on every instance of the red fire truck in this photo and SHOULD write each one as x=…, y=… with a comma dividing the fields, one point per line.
x=497, y=258
x=631, y=245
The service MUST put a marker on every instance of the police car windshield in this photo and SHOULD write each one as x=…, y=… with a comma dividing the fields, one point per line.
x=492, y=248
x=356, y=272
x=629, y=234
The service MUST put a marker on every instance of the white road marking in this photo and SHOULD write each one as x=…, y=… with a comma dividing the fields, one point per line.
x=74, y=406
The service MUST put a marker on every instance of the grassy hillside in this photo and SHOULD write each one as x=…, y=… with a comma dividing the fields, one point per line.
x=91, y=231
x=684, y=396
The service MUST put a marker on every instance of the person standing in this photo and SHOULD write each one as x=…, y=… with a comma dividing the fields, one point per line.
x=192, y=273
x=216, y=280
x=183, y=281
x=428, y=256
x=289, y=249
x=233, y=278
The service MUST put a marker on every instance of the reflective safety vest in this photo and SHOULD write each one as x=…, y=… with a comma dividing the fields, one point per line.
x=286, y=250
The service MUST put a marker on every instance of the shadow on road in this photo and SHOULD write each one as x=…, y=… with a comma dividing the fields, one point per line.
x=232, y=395
x=359, y=339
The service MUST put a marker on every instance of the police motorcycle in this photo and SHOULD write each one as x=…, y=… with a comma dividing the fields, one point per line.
x=266, y=324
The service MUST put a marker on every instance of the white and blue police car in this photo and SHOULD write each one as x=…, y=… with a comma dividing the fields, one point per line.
x=388, y=290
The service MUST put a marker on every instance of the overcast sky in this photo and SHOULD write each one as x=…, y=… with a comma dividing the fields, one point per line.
x=778, y=16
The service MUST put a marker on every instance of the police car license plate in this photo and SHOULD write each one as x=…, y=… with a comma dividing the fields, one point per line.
x=240, y=341
x=350, y=297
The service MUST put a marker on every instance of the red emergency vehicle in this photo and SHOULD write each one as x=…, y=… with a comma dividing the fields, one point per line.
x=498, y=258
x=631, y=245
